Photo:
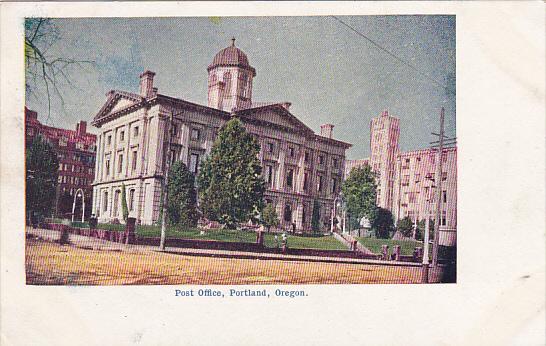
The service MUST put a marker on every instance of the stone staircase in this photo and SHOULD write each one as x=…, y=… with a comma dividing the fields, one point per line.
x=350, y=241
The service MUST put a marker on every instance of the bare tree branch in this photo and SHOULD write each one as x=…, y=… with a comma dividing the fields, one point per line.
x=41, y=68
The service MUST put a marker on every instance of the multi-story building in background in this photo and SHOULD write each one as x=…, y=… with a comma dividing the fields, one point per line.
x=299, y=166
x=406, y=182
x=75, y=150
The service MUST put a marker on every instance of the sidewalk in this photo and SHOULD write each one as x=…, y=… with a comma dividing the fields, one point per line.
x=99, y=244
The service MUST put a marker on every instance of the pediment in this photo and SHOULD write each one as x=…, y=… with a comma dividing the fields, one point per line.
x=277, y=115
x=120, y=104
x=115, y=102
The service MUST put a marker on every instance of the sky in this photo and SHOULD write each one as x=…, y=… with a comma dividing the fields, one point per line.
x=329, y=73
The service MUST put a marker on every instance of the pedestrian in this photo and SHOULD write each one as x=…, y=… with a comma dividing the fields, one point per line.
x=284, y=243
x=276, y=241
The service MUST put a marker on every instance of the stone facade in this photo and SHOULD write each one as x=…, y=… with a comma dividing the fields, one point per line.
x=75, y=150
x=299, y=166
x=406, y=180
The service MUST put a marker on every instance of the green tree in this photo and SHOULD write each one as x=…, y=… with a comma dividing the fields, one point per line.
x=315, y=217
x=42, y=173
x=359, y=191
x=124, y=208
x=405, y=226
x=65, y=204
x=182, y=197
x=270, y=217
x=382, y=223
x=230, y=184
x=420, y=234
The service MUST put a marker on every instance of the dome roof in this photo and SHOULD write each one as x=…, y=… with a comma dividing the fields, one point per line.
x=231, y=56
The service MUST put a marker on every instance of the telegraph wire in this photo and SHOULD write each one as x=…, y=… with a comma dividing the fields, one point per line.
x=377, y=45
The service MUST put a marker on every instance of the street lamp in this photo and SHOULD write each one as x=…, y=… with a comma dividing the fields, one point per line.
x=334, y=213
x=338, y=205
x=78, y=193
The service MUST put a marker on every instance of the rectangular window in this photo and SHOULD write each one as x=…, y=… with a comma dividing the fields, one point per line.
x=444, y=176
x=135, y=158
x=120, y=163
x=269, y=174
x=105, y=202
x=131, y=199
x=444, y=218
x=270, y=147
x=334, y=185
x=173, y=156
x=115, y=203
x=194, y=162
x=305, y=181
x=60, y=180
x=417, y=177
x=319, y=183
x=290, y=178
x=405, y=180
x=135, y=131
x=444, y=196
x=291, y=151
x=122, y=136
x=195, y=134
x=334, y=162
x=321, y=159
x=174, y=130
x=109, y=139
x=306, y=156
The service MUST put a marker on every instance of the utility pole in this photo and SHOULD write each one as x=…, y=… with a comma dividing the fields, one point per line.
x=438, y=179
x=166, y=167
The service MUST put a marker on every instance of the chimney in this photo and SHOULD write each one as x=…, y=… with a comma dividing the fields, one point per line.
x=30, y=114
x=326, y=130
x=147, y=84
x=385, y=113
x=81, y=128
x=286, y=105
x=154, y=92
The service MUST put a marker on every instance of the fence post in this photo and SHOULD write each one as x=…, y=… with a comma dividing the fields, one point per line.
x=130, y=235
x=385, y=252
x=396, y=252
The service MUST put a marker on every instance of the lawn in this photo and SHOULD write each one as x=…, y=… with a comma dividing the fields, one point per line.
x=298, y=242
x=374, y=245
x=294, y=241
x=194, y=233
x=308, y=242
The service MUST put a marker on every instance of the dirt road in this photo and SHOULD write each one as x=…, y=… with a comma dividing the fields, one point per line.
x=52, y=264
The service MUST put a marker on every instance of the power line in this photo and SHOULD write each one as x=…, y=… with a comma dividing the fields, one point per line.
x=377, y=45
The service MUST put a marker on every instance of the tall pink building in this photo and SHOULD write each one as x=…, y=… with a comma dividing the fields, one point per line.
x=406, y=182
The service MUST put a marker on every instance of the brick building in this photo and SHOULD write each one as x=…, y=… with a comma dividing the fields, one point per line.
x=299, y=166
x=406, y=180
x=75, y=150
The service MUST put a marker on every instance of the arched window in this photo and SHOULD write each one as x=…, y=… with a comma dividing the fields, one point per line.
x=288, y=213
x=244, y=83
x=227, y=81
x=213, y=79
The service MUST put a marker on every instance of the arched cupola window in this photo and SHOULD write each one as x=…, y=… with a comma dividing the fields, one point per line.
x=213, y=79
x=227, y=81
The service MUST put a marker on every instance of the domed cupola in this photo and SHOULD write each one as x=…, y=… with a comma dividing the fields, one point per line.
x=230, y=79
